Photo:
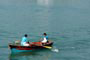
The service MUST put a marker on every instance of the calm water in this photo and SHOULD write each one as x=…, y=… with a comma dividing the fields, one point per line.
x=67, y=22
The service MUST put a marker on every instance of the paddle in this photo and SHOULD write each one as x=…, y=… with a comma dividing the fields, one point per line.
x=48, y=47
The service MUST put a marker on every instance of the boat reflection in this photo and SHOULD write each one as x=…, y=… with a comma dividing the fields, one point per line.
x=34, y=55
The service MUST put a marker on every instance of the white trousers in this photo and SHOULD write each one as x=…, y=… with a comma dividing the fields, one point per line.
x=25, y=44
x=44, y=41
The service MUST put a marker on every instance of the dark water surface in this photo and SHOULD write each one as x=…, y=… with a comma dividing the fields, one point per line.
x=67, y=22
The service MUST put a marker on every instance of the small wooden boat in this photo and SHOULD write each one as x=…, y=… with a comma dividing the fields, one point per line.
x=33, y=46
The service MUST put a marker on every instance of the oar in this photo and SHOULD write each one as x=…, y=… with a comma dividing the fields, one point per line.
x=48, y=47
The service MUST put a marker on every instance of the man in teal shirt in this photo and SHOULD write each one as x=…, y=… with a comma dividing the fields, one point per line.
x=45, y=38
x=24, y=41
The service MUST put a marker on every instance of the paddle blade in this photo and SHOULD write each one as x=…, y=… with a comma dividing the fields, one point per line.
x=48, y=47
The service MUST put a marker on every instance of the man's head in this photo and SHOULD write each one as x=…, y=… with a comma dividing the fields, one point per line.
x=44, y=34
x=26, y=35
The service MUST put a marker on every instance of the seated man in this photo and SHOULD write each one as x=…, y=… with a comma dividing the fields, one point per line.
x=45, y=39
x=24, y=41
x=42, y=41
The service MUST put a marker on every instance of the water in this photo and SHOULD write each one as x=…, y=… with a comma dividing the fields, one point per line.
x=67, y=22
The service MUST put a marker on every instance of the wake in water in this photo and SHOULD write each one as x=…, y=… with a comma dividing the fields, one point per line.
x=54, y=49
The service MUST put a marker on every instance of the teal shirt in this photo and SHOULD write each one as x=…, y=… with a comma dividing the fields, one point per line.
x=46, y=37
x=24, y=39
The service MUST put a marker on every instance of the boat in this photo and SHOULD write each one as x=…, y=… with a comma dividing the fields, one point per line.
x=33, y=46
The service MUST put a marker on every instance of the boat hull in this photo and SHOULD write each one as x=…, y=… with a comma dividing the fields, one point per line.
x=14, y=50
x=18, y=48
